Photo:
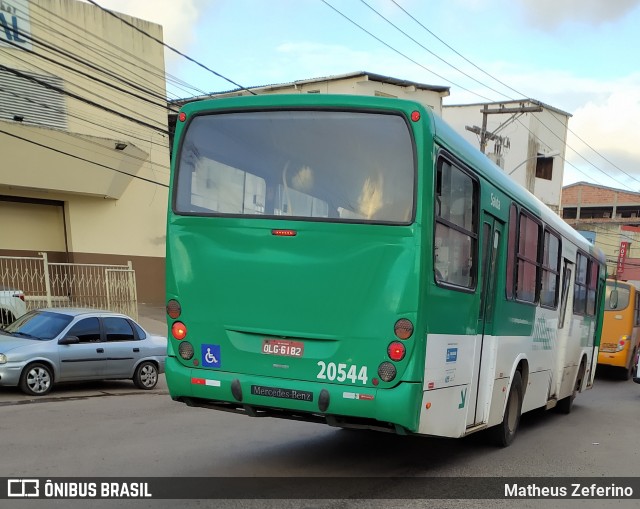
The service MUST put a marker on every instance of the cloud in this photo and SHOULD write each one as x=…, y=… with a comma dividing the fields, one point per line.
x=610, y=124
x=551, y=13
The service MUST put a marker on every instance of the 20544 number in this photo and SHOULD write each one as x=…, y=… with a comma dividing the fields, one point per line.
x=342, y=372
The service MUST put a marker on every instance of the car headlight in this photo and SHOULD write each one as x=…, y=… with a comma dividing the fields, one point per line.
x=3, y=358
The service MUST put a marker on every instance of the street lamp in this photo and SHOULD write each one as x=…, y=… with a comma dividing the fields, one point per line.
x=553, y=153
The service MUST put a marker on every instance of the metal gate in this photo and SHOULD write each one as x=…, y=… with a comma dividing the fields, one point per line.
x=46, y=284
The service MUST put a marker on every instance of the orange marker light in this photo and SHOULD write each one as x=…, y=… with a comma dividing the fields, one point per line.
x=428, y=406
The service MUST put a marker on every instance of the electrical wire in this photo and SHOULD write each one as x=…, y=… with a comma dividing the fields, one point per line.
x=101, y=49
x=398, y=51
x=431, y=52
x=80, y=98
x=525, y=95
x=82, y=158
x=170, y=47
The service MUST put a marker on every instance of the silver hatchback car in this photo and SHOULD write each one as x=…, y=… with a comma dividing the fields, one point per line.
x=47, y=346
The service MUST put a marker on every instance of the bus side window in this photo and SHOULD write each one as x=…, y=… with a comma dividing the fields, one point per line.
x=456, y=226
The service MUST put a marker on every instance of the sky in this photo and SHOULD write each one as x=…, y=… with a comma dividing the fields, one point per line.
x=580, y=56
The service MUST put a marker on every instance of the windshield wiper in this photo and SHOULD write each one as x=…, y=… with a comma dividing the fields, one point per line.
x=24, y=334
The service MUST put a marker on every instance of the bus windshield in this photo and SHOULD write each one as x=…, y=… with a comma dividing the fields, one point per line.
x=617, y=300
x=325, y=165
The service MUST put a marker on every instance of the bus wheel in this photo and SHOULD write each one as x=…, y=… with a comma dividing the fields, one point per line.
x=504, y=433
x=565, y=405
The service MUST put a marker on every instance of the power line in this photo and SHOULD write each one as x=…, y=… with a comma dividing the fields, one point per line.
x=525, y=95
x=80, y=98
x=83, y=159
x=458, y=53
x=398, y=51
x=474, y=93
x=102, y=49
x=79, y=117
x=429, y=51
x=86, y=75
x=169, y=47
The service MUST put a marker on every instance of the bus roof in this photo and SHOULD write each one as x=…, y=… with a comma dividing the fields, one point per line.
x=444, y=134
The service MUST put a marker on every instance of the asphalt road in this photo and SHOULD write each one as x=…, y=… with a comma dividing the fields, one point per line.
x=113, y=429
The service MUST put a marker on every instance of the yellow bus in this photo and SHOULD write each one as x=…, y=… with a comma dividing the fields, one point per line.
x=621, y=327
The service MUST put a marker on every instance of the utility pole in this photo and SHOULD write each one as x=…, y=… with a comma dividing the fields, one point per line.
x=482, y=131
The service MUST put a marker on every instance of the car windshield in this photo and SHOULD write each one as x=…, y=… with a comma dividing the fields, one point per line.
x=42, y=325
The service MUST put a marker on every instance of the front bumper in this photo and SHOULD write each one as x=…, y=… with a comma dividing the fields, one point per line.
x=10, y=373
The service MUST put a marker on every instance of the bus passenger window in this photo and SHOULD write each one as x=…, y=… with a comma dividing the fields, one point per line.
x=580, y=286
x=527, y=259
x=456, y=228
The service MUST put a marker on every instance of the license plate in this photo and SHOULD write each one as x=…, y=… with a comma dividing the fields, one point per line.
x=283, y=347
x=277, y=392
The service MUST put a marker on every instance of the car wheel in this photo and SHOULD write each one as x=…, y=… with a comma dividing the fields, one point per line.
x=505, y=432
x=146, y=376
x=36, y=379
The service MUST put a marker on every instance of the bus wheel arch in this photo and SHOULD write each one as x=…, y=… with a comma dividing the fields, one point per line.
x=626, y=372
x=565, y=405
x=523, y=368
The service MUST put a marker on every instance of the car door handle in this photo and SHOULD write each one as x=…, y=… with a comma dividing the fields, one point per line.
x=136, y=349
x=100, y=350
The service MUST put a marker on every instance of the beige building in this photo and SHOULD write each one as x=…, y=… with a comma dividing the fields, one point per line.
x=83, y=137
x=610, y=218
x=355, y=83
x=526, y=138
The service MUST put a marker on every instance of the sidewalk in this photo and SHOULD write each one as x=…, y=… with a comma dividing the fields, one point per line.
x=153, y=319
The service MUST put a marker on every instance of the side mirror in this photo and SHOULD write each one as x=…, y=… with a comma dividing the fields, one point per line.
x=613, y=299
x=69, y=340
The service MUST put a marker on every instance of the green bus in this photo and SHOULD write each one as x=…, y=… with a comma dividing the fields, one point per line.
x=353, y=261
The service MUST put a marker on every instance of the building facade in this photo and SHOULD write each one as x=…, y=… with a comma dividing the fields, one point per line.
x=526, y=138
x=611, y=217
x=355, y=83
x=84, y=138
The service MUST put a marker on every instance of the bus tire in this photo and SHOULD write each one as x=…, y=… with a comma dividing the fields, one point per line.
x=565, y=405
x=505, y=432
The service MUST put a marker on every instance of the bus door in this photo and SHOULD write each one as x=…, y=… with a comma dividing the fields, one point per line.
x=485, y=357
x=564, y=324
x=597, y=330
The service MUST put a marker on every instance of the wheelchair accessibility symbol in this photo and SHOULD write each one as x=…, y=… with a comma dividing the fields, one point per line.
x=211, y=356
